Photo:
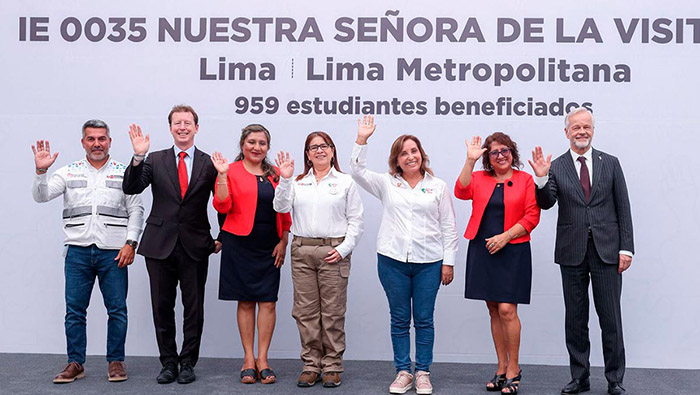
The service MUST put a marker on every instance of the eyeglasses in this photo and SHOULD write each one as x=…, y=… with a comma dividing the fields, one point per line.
x=315, y=147
x=503, y=151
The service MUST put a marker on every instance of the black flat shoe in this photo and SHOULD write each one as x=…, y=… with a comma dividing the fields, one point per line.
x=615, y=389
x=496, y=382
x=576, y=386
x=168, y=374
x=512, y=385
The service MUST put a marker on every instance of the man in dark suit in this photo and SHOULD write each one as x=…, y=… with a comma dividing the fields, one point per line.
x=177, y=241
x=594, y=243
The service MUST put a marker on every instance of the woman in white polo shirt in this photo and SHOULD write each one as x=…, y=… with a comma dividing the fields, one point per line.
x=416, y=247
x=326, y=223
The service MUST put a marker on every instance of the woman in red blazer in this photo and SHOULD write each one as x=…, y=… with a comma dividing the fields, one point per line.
x=499, y=263
x=254, y=241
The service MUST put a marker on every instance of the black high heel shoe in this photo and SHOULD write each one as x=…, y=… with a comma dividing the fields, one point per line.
x=497, y=381
x=512, y=385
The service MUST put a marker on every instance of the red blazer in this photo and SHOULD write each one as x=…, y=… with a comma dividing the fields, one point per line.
x=518, y=197
x=242, y=200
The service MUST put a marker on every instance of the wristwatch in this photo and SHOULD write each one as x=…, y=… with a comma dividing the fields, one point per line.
x=132, y=243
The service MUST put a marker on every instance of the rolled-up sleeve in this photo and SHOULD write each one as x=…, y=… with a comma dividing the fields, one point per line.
x=464, y=192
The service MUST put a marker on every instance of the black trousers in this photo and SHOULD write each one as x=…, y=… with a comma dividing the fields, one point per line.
x=165, y=274
x=607, y=290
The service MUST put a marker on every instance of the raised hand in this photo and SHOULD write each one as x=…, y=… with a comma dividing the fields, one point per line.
x=365, y=128
x=42, y=155
x=474, y=150
x=220, y=163
x=285, y=164
x=539, y=164
x=140, y=143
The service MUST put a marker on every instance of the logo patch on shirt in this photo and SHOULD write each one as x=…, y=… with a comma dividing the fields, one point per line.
x=427, y=190
x=334, y=189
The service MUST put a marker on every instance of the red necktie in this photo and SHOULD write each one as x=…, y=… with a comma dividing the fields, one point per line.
x=585, y=178
x=182, y=173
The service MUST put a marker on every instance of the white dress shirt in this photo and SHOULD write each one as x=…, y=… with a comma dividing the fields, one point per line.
x=329, y=208
x=95, y=210
x=418, y=224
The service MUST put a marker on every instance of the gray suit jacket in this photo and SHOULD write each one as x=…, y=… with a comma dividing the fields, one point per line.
x=607, y=214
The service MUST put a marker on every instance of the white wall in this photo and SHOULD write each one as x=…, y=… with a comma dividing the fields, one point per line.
x=50, y=88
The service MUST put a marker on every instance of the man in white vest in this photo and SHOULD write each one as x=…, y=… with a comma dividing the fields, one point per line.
x=102, y=226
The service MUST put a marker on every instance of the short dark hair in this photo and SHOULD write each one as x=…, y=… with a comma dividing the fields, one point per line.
x=95, y=123
x=502, y=138
x=183, y=108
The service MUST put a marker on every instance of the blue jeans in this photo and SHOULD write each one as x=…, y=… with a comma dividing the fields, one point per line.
x=82, y=265
x=405, y=283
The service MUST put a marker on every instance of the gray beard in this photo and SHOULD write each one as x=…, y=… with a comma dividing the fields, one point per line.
x=582, y=145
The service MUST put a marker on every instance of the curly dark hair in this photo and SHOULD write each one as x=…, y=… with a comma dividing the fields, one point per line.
x=501, y=138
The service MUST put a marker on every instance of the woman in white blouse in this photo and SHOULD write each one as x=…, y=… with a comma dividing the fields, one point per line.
x=416, y=247
x=326, y=223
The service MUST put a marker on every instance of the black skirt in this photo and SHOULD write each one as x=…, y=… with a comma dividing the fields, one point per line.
x=506, y=276
x=248, y=271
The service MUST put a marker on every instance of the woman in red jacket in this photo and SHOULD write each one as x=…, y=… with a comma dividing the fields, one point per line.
x=499, y=263
x=254, y=241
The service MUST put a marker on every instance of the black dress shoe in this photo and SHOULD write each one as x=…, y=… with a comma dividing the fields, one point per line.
x=168, y=374
x=615, y=389
x=576, y=386
x=186, y=373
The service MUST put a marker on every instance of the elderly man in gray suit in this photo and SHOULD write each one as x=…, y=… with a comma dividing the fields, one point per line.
x=594, y=243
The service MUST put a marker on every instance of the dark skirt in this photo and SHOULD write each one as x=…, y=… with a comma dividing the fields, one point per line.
x=248, y=271
x=505, y=276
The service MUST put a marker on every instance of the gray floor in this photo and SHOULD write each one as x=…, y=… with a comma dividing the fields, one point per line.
x=32, y=374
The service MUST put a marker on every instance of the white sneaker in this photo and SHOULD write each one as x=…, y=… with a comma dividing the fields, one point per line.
x=423, y=385
x=402, y=383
